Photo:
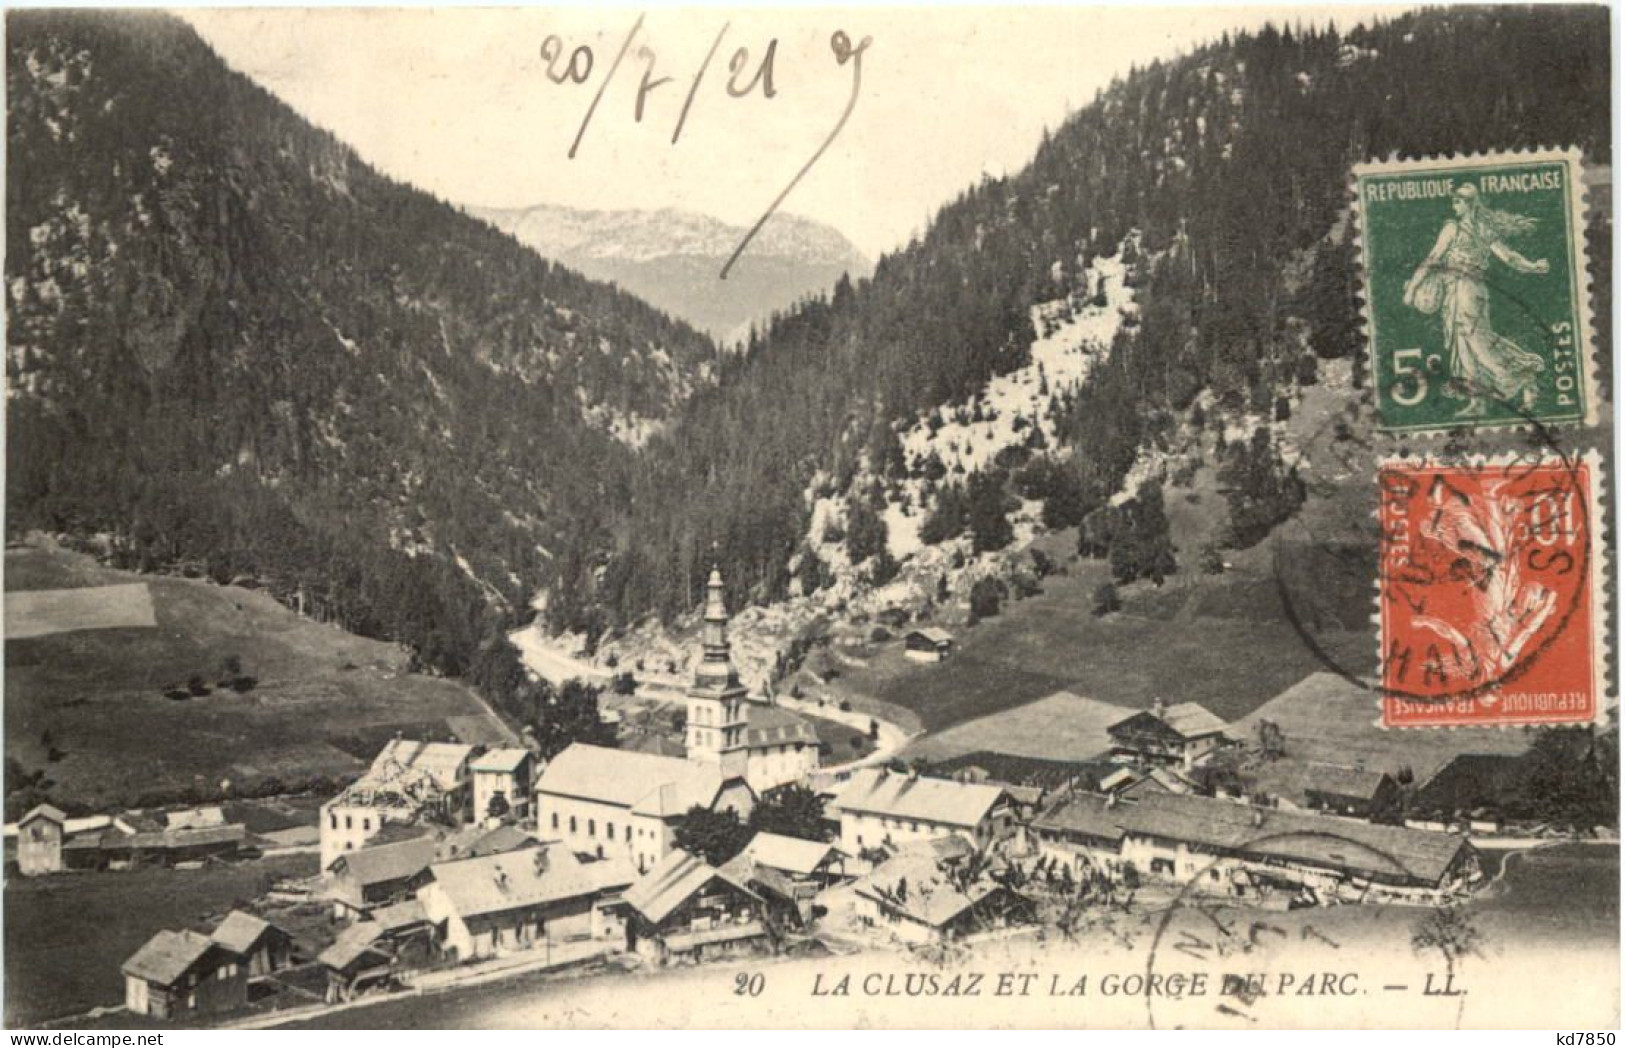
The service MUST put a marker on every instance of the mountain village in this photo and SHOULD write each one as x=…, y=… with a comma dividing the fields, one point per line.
x=448, y=861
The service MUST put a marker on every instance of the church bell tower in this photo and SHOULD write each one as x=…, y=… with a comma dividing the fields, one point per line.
x=717, y=716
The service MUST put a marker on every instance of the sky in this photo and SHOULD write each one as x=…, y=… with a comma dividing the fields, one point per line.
x=460, y=101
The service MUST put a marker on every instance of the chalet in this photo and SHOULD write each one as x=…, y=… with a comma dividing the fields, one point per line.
x=878, y=807
x=788, y=871
x=1157, y=779
x=1081, y=832
x=1182, y=735
x=257, y=945
x=389, y=942
x=180, y=974
x=610, y=803
x=928, y=644
x=364, y=880
x=407, y=780
x=1301, y=785
x=813, y=863
x=1234, y=849
x=523, y=900
x=685, y=907
x=503, y=773
x=40, y=836
x=918, y=897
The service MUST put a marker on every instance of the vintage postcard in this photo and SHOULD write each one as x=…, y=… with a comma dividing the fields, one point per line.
x=1021, y=517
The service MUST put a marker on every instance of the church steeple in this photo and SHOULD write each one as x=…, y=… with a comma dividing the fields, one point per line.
x=716, y=661
x=717, y=718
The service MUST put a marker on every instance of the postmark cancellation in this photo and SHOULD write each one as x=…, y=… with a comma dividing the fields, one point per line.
x=1491, y=610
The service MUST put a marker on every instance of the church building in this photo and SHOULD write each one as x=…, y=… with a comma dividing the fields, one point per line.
x=741, y=736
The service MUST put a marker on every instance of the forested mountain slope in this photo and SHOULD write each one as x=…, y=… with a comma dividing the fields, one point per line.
x=235, y=348
x=1211, y=190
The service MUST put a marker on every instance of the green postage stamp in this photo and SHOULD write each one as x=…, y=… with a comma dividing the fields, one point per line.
x=1477, y=300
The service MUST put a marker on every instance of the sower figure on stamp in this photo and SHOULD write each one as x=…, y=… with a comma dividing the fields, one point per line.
x=1450, y=282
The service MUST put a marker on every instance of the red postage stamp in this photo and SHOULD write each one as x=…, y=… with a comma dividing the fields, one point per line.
x=1488, y=592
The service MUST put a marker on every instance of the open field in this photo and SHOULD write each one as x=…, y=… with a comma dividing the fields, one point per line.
x=1221, y=641
x=39, y=613
x=1061, y=727
x=322, y=701
x=66, y=935
x=1325, y=718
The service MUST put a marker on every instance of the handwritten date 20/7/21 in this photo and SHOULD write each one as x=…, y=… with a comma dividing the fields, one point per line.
x=577, y=67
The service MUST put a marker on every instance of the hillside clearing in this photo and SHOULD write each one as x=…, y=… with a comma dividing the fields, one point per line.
x=39, y=613
x=320, y=702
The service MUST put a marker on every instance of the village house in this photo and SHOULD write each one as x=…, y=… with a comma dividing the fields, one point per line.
x=684, y=907
x=878, y=807
x=609, y=803
x=388, y=943
x=788, y=870
x=1182, y=735
x=256, y=944
x=40, y=836
x=1301, y=785
x=538, y=898
x=177, y=974
x=1226, y=848
x=503, y=773
x=359, y=881
x=917, y=896
x=928, y=644
x=741, y=737
x=406, y=781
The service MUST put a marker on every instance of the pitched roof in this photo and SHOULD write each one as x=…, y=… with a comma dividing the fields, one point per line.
x=167, y=956
x=240, y=931
x=182, y=838
x=877, y=791
x=505, y=761
x=362, y=936
x=498, y=883
x=778, y=852
x=913, y=883
x=933, y=634
x=196, y=818
x=441, y=761
x=1383, y=852
x=1344, y=782
x=1192, y=720
x=773, y=726
x=659, y=745
x=504, y=838
x=388, y=862
x=1089, y=814
x=351, y=944
x=398, y=915
x=646, y=783
x=43, y=811
x=672, y=880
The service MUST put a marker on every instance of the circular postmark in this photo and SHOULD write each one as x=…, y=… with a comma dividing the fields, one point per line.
x=1455, y=539
x=1235, y=931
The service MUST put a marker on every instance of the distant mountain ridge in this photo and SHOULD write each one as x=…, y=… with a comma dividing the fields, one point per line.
x=671, y=258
